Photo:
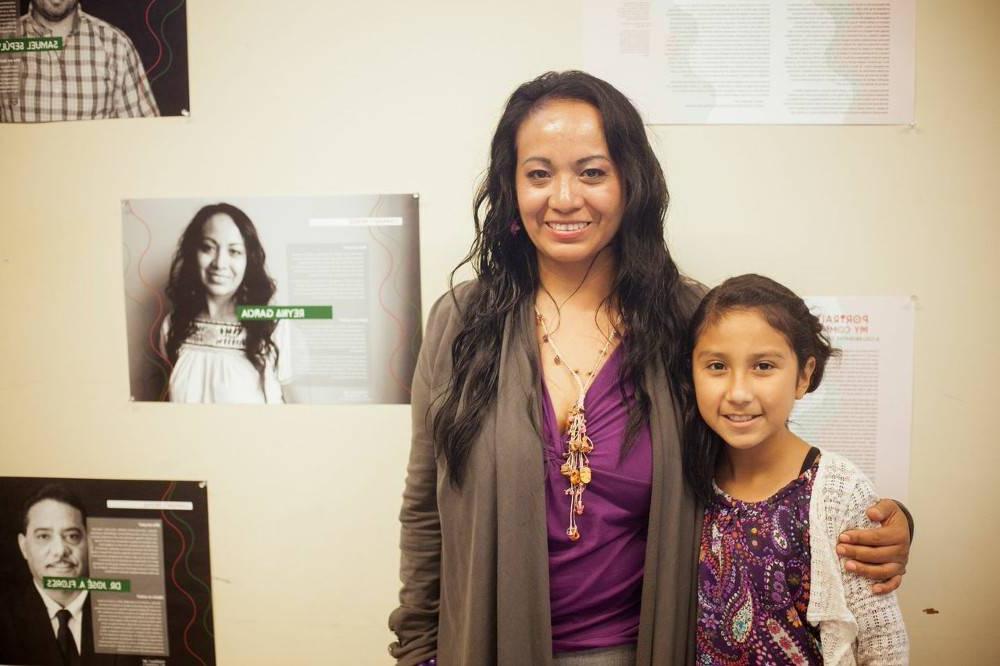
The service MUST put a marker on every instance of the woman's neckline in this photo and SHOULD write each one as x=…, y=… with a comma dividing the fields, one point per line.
x=611, y=360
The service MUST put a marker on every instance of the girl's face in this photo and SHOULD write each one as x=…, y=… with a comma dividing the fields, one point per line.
x=747, y=379
x=222, y=256
x=569, y=193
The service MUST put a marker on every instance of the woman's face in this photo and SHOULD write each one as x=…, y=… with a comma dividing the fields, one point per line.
x=569, y=192
x=222, y=256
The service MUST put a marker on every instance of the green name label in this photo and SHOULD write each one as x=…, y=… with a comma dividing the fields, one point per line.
x=30, y=44
x=92, y=584
x=275, y=312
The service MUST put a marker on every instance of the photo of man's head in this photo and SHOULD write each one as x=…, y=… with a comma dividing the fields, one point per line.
x=54, y=538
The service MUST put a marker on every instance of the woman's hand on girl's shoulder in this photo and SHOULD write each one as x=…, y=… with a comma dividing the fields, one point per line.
x=881, y=553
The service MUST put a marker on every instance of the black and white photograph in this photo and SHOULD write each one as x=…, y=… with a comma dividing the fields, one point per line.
x=272, y=300
x=104, y=573
x=66, y=60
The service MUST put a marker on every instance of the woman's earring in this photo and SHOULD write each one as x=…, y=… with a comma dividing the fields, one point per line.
x=515, y=228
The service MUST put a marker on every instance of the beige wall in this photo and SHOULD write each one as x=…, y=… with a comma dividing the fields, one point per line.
x=320, y=97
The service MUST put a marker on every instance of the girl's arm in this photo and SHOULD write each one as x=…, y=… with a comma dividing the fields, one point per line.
x=881, y=639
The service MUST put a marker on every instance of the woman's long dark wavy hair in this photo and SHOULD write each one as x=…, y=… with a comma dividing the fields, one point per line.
x=646, y=289
x=187, y=293
x=784, y=312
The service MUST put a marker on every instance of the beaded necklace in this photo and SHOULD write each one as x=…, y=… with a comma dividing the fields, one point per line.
x=578, y=445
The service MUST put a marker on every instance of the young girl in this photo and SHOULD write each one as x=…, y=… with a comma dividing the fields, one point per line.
x=770, y=587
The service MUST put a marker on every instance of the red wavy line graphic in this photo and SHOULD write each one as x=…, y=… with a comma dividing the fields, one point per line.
x=173, y=577
x=160, y=308
x=400, y=332
x=156, y=38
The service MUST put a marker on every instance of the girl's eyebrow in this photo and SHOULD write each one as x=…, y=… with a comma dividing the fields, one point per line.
x=772, y=353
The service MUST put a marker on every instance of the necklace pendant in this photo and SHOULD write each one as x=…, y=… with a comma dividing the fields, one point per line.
x=573, y=533
x=579, y=508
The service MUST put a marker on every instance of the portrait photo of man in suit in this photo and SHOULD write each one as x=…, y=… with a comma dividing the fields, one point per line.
x=51, y=627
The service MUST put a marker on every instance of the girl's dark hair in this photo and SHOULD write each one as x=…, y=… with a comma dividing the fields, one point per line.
x=187, y=293
x=647, y=289
x=784, y=312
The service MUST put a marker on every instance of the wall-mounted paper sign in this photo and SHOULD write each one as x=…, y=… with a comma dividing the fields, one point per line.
x=272, y=300
x=92, y=59
x=123, y=566
x=864, y=407
x=757, y=61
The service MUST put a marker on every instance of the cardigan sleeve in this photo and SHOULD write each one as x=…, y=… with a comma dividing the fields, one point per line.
x=881, y=638
x=415, y=620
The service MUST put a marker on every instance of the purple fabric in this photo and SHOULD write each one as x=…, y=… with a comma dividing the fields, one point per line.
x=753, y=580
x=595, y=583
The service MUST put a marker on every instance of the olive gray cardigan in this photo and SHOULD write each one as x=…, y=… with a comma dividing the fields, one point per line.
x=474, y=562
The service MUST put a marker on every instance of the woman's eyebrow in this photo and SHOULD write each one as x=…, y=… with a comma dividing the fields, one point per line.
x=548, y=162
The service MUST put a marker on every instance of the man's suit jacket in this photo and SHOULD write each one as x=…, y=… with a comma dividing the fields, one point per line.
x=26, y=635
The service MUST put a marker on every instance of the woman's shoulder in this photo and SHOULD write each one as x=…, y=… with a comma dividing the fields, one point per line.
x=689, y=294
x=448, y=308
x=165, y=326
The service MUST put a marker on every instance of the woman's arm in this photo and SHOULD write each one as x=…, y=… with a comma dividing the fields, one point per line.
x=879, y=553
x=415, y=621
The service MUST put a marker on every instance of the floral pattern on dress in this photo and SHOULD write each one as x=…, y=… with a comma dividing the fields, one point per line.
x=753, y=580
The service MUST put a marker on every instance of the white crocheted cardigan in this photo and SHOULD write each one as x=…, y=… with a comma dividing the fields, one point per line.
x=856, y=626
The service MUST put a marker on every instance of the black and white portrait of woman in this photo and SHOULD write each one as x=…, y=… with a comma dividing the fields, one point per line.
x=214, y=357
x=272, y=300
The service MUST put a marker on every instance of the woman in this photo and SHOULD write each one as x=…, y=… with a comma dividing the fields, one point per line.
x=545, y=517
x=219, y=264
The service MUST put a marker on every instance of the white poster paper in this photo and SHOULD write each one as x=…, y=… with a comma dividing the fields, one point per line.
x=756, y=61
x=863, y=409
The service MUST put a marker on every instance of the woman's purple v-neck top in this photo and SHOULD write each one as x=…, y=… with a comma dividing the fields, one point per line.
x=595, y=584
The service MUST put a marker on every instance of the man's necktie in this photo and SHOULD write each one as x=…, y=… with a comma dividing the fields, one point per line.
x=65, y=637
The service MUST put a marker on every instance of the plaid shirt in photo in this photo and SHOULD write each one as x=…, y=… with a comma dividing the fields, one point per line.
x=98, y=74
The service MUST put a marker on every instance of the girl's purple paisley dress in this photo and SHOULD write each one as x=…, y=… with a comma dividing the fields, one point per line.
x=753, y=580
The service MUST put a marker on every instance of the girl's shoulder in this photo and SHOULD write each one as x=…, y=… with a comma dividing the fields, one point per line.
x=841, y=493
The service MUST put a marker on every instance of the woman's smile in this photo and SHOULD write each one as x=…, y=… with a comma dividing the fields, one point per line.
x=569, y=193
